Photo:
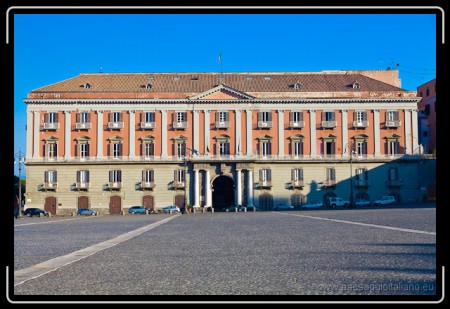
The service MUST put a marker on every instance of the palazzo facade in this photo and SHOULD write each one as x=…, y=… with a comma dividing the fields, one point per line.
x=109, y=141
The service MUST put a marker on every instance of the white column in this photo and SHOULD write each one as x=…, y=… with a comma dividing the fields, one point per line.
x=208, y=189
x=196, y=189
x=196, y=126
x=250, y=188
x=238, y=132
x=415, y=132
x=281, y=132
x=312, y=121
x=408, y=131
x=163, y=133
x=30, y=130
x=249, y=131
x=99, y=134
x=67, y=139
x=238, y=190
x=345, y=132
x=376, y=131
x=131, y=134
x=207, y=126
x=36, y=131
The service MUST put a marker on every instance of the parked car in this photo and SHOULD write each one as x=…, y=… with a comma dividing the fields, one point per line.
x=283, y=207
x=171, y=209
x=86, y=212
x=233, y=208
x=385, y=200
x=30, y=212
x=362, y=203
x=338, y=202
x=312, y=205
x=138, y=210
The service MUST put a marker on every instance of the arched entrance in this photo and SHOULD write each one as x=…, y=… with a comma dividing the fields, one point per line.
x=147, y=201
x=50, y=204
x=223, y=192
x=115, y=205
x=266, y=201
x=179, y=201
x=83, y=202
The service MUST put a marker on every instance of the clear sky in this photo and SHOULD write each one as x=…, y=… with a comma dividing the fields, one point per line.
x=49, y=48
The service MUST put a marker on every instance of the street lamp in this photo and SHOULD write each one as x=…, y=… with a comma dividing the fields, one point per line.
x=350, y=148
x=20, y=159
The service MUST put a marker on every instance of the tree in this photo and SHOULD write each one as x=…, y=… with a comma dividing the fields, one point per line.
x=16, y=187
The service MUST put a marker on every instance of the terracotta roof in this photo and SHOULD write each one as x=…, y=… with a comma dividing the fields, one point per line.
x=190, y=83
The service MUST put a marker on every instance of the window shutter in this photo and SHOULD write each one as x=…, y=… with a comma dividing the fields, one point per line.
x=364, y=147
x=78, y=176
x=46, y=176
x=261, y=175
x=333, y=116
x=120, y=149
x=293, y=175
x=269, y=175
x=119, y=176
x=217, y=116
x=55, y=176
x=56, y=117
x=86, y=174
x=300, y=174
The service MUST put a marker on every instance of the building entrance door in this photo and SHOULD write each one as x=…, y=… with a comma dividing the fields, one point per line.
x=223, y=192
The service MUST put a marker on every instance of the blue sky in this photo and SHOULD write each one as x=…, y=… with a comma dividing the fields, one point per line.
x=53, y=47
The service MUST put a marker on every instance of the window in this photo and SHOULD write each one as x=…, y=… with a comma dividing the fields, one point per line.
x=148, y=117
x=428, y=92
x=391, y=116
x=116, y=149
x=297, y=200
x=297, y=86
x=297, y=174
x=362, y=176
x=180, y=149
x=393, y=174
x=360, y=117
x=224, y=148
x=360, y=147
x=51, y=117
x=82, y=179
x=328, y=116
x=87, y=86
x=297, y=148
x=51, y=150
x=50, y=177
x=116, y=117
x=83, y=117
x=331, y=176
x=329, y=145
x=265, y=150
x=180, y=120
x=148, y=176
x=84, y=150
x=297, y=116
x=222, y=120
x=179, y=176
x=393, y=147
x=265, y=177
x=149, y=150
x=264, y=116
x=115, y=176
x=356, y=85
x=148, y=86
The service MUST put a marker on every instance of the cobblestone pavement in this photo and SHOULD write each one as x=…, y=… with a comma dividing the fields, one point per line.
x=230, y=254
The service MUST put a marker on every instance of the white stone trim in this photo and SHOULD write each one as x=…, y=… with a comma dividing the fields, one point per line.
x=164, y=129
x=132, y=134
x=249, y=130
x=376, y=131
x=312, y=120
x=67, y=133
x=99, y=134
x=408, y=131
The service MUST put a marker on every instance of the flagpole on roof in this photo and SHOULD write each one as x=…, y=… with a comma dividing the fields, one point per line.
x=219, y=60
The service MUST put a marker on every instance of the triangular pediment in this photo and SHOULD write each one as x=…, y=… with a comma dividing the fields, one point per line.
x=222, y=92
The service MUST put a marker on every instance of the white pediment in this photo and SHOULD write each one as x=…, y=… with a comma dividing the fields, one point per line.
x=221, y=92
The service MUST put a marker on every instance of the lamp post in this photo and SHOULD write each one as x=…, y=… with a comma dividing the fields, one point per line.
x=184, y=211
x=349, y=146
x=20, y=159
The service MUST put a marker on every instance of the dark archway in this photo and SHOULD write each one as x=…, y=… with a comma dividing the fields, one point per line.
x=223, y=192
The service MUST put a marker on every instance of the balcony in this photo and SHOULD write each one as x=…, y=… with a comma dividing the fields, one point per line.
x=180, y=125
x=394, y=183
x=50, y=125
x=361, y=124
x=82, y=185
x=330, y=183
x=82, y=125
x=147, y=184
x=50, y=185
x=362, y=183
x=178, y=184
x=114, y=125
x=148, y=125
x=393, y=123
x=222, y=124
x=296, y=124
x=264, y=124
x=115, y=185
x=329, y=124
x=265, y=183
x=298, y=183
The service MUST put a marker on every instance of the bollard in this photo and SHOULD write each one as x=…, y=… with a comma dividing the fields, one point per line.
x=147, y=212
x=122, y=213
x=212, y=210
x=49, y=215
x=73, y=214
x=245, y=209
x=254, y=209
x=203, y=210
x=235, y=209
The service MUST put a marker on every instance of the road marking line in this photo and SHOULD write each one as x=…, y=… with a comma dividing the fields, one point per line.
x=35, y=271
x=363, y=224
x=62, y=220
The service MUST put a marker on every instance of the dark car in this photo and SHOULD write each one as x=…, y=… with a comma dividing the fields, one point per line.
x=86, y=212
x=30, y=212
